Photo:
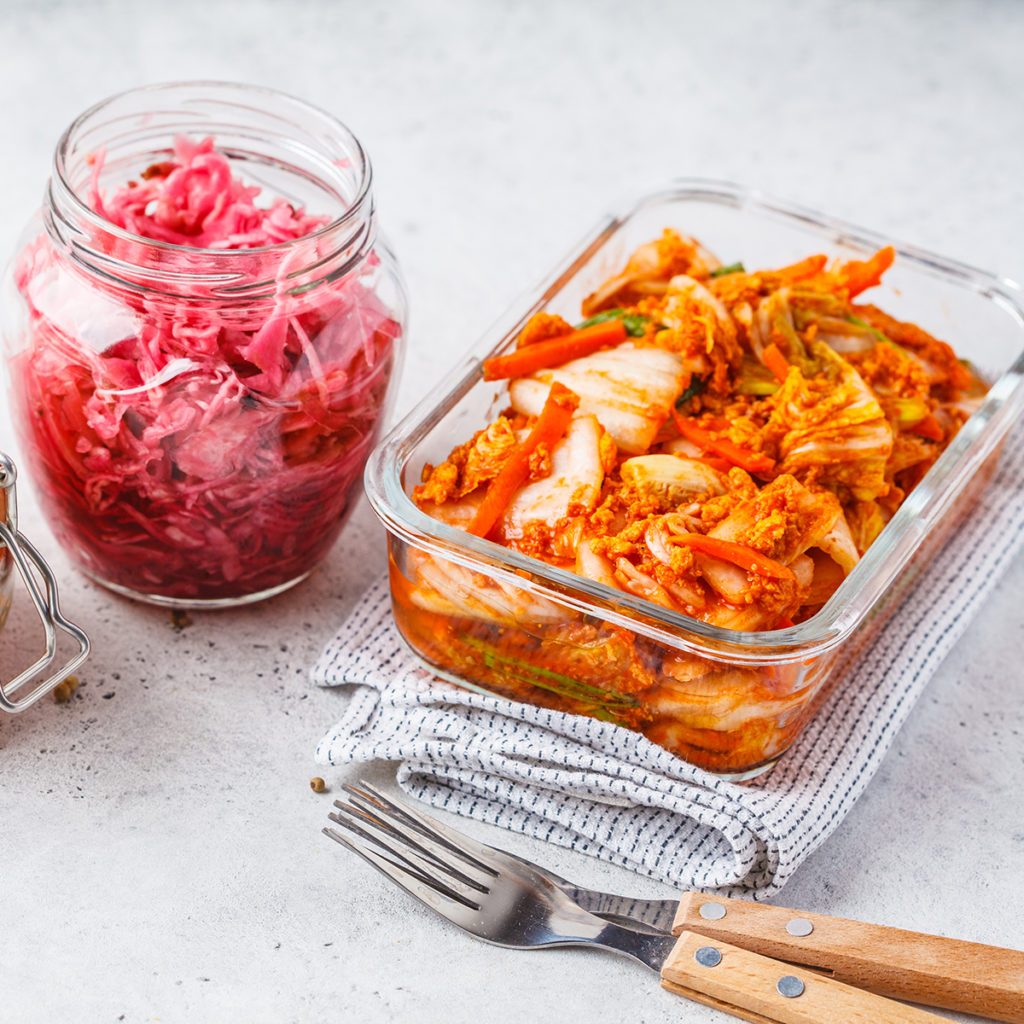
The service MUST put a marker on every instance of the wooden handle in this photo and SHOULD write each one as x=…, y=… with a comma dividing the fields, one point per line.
x=963, y=976
x=754, y=988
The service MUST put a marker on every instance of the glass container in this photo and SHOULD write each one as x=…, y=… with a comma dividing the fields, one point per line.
x=728, y=701
x=197, y=418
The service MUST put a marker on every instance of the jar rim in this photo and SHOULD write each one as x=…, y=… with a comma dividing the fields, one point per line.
x=351, y=212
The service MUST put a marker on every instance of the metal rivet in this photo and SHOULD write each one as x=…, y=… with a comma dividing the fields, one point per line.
x=708, y=956
x=790, y=986
x=712, y=911
x=800, y=926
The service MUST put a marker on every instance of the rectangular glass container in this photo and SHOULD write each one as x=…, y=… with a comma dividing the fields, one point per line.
x=731, y=702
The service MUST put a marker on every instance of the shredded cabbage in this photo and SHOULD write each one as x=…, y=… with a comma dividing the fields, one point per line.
x=199, y=450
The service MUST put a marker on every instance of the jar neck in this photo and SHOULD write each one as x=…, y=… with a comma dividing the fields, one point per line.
x=285, y=146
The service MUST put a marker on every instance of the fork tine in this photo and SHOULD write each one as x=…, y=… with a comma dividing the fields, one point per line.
x=461, y=845
x=400, y=836
x=370, y=840
x=423, y=886
x=406, y=858
x=440, y=902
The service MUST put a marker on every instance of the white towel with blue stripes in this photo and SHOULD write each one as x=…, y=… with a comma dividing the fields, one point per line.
x=611, y=793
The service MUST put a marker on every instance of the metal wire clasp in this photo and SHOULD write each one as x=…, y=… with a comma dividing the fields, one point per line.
x=29, y=563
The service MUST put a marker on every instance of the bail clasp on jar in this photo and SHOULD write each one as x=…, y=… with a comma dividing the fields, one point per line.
x=41, y=585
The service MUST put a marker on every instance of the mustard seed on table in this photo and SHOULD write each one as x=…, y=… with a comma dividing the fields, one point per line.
x=65, y=690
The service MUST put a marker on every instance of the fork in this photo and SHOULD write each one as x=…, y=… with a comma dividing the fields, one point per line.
x=968, y=977
x=645, y=915
x=510, y=902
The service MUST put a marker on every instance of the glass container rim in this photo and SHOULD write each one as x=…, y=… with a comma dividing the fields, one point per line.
x=838, y=618
x=59, y=170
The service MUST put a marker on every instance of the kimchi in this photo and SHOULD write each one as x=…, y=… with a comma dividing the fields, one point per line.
x=721, y=442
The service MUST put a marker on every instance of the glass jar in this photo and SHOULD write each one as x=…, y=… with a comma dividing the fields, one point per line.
x=197, y=418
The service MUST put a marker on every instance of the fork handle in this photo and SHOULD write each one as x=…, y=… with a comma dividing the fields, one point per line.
x=764, y=991
x=964, y=976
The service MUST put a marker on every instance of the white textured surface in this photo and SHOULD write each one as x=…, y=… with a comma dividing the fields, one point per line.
x=160, y=857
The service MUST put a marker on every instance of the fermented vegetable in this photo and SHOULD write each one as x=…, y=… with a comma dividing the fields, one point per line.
x=731, y=463
x=191, y=447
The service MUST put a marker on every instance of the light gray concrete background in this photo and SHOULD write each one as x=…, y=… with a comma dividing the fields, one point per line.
x=160, y=855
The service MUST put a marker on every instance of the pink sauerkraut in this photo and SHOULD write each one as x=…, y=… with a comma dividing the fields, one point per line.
x=193, y=449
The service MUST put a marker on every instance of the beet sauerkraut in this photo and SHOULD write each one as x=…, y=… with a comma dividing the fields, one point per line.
x=191, y=449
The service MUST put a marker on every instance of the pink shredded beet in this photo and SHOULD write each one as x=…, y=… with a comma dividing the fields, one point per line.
x=195, y=200
x=203, y=450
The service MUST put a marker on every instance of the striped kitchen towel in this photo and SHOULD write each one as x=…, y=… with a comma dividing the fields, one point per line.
x=611, y=793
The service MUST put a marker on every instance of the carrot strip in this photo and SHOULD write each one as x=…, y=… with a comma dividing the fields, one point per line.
x=776, y=362
x=752, y=462
x=722, y=465
x=859, y=275
x=549, y=429
x=805, y=268
x=738, y=554
x=929, y=428
x=544, y=354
